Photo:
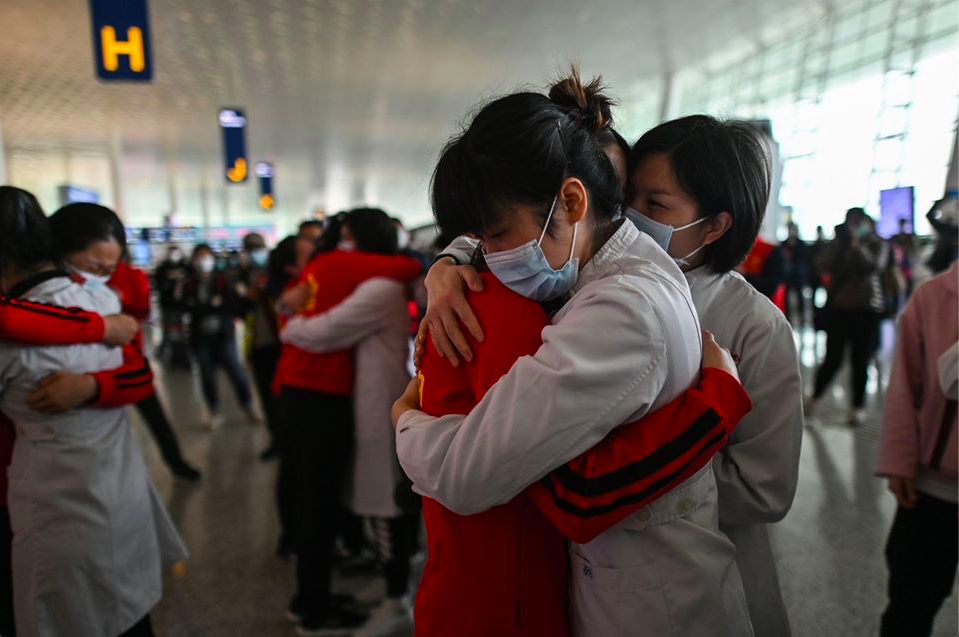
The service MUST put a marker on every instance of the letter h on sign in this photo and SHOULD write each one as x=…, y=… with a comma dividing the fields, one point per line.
x=121, y=40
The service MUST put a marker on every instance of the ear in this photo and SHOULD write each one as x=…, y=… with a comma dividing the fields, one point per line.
x=719, y=225
x=573, y=195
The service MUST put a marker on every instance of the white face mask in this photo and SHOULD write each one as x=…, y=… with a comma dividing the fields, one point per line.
x=346, y=245
x=662, y=233
x=526, y=271
x=206, y=264
x=92, y=280
x=259, y=257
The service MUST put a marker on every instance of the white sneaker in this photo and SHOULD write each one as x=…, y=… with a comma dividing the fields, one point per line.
x=392, y=616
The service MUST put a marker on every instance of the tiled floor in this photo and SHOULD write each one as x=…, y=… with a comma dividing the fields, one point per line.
x=830, y=547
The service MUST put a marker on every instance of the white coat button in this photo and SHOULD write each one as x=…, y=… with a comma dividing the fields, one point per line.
x=685, y=506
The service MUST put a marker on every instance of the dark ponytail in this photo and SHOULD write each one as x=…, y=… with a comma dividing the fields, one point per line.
x=518, y=149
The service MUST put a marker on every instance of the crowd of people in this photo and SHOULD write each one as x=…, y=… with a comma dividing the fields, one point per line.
x=605, y=412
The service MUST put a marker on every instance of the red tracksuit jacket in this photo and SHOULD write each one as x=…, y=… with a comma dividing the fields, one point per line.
x=504, y=571
x=331, y=277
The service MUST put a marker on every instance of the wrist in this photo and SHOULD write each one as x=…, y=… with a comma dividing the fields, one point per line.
x=91, y=388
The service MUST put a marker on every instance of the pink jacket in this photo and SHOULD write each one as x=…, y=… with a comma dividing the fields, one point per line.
x=916, y=425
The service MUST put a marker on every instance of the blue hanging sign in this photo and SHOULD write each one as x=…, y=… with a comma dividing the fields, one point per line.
x=233, y=123
x=121, y=40
x=264, y=171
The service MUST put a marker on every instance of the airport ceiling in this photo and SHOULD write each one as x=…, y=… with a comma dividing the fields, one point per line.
x=361, y=92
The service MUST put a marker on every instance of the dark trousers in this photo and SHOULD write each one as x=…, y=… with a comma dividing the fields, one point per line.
x=153, y=415
x=395, y=545
x=142, y=628
x=264, y=361
x=6, y=574
x=321, y=431
x=854, y=329
x=922, y=556
x=220, y=351
x=286, y=491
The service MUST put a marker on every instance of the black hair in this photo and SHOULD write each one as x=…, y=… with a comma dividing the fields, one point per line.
x=518, y=149
x=281, y=257
x=201, y=246
x=331, y=234
x=78, y=225
x=724, y=166
x=611, y=137
x=310, y=223
x=25, y=242
x=253, y=241
x=372, y=229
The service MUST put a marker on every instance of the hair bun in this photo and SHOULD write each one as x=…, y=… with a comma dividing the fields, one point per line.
x=587, y=104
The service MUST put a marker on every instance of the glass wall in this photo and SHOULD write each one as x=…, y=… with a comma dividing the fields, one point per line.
x=861, y=99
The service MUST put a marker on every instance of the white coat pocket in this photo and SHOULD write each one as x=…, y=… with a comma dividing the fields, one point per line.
x=629, y=596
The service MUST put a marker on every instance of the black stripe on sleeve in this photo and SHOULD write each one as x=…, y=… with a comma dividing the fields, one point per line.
x=148, y=381
x=133, y=374
x=67, y=314
x=632, y=498
x=641, y=469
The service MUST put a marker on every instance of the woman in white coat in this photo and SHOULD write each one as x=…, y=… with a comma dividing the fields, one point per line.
x=698, y=186
x=90, y=532
x=528, y=178
x=374, y=322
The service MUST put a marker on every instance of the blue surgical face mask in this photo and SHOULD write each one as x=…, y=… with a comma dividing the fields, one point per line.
x=259, y=256
x=662, y=233
x=526, y=271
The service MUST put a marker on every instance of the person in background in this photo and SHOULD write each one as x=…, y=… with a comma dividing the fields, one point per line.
x=765, y=269
x=261, y=344
x=798, y=272
x=284, y=266
x=917, y=454
x=214, y=303
x=316, y=401
x=311, y=230
x=815, y=249
x=90, y=533
x=943, y=216
x=373, y=321
x=909, y=249
x=852, y=264
x=167, y=277
x=708, y=221
x=90, y=241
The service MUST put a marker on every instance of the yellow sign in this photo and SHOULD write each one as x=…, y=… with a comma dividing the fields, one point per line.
x=238, y=172
x=266, y=202
x=113, y=49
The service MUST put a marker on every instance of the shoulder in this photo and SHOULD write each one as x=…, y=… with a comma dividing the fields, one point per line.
x=381, y=287
x=497, y=300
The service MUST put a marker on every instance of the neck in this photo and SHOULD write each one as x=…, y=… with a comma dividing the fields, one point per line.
x=594, y=238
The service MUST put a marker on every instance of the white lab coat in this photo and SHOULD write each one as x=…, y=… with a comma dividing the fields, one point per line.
x=625, y=343
x=375, y=321
x=90, y=532
x=758, y=470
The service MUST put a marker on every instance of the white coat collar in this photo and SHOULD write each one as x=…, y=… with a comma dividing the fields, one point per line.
x=614, y=248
